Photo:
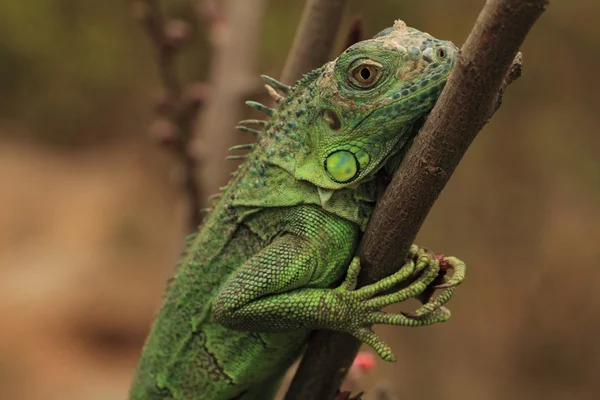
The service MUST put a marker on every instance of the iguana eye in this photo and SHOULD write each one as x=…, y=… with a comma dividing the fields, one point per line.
x=366, y=74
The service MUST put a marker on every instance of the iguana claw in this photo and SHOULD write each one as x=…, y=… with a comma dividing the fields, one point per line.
x=450, y=285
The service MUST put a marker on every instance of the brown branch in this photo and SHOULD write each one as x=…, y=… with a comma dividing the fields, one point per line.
x=314, y=39
x=176, y=109
x=212, y=16
x=232, y=76
x=468, y=101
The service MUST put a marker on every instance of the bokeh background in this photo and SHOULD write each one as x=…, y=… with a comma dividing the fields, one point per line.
x=93, y=211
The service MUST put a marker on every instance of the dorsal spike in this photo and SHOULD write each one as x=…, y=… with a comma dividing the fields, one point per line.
x=254, y=122
x=276, y=84
x=248, y=130
x=261, y=107
x=248, y=146
x=310, y=76
x=242, y=157
x=274, y=95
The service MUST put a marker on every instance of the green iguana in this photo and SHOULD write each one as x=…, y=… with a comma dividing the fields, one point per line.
x=266, y=266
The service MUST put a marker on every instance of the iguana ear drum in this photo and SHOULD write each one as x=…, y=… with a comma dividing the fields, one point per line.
x=332, y=119
x=342, y=166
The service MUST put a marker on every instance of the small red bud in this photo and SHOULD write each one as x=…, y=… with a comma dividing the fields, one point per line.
x=197, y=93
x=164, y=104
x=164, y=132
x=177, y=32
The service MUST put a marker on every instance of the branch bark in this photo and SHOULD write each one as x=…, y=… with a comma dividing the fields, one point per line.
x=474, y=90
x=313, y=42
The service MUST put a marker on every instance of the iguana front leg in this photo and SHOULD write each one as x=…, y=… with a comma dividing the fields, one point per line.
x=272, y=292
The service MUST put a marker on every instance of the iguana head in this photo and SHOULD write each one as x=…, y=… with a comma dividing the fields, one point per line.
x=342, y=122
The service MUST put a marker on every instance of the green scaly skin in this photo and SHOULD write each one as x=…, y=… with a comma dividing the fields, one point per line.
x=262, y=271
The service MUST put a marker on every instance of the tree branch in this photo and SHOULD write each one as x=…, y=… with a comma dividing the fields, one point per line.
x=474, y=90
x=232, y=77
x=313, y=42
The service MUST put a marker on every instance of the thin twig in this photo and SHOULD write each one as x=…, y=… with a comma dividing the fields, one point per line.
x=468, y=101
x=149, y=12
x=177, y=109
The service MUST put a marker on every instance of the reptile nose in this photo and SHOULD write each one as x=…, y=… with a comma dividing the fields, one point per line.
x=447, y=53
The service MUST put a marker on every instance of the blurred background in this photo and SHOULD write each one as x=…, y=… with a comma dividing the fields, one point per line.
x=95, y=206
